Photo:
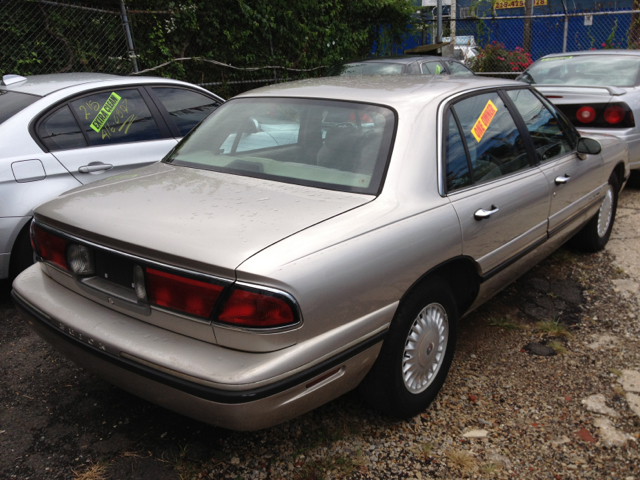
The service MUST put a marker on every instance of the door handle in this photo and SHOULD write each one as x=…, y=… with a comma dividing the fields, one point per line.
x=562, y=179
x=95, y=168
x=482, y=213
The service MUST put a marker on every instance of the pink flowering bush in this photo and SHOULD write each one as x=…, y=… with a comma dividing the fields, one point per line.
x=494, y=57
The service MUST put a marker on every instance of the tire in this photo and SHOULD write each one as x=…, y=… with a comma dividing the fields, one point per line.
x=594, y=235
x=21, y=254
x=386, y=388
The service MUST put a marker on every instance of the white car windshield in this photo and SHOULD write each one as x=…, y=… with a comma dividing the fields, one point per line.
x=593, y=70
x=328, y=144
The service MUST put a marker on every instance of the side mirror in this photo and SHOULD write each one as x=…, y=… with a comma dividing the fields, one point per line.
x=588, y=146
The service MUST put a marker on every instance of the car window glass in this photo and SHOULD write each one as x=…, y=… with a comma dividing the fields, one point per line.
x=187, y=108
x=495, y=145
x=549, y=139
x=433, y=68
x=459, y=69
x=60, y=131
x=12, y=102
x=115, y=117
x=455, y=158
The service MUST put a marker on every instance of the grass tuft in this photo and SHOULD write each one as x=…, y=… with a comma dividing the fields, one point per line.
x=96, y=471
x=616, y=372
x=336, y=466
x=504, y=323
x=489, y=468
x=462, y=460
x=552, y=328
x=557, y=346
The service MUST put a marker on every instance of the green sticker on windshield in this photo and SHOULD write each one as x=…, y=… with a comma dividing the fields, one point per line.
x=556, y=58
x=105, y=112
x=438, y=69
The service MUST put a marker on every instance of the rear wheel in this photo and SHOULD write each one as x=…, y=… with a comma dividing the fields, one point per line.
x=594, y=235
x=417, y=353
x=21, y=254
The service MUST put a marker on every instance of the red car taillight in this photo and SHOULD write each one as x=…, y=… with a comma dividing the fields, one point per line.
x=48, y=246
x=183, y=294
x=257, y=309
x=586, y=114
x=614, y=115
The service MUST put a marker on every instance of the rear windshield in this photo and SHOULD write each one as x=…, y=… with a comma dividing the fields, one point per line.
x=366, y=68
x=12, y=102
x=328, y=144
x=609, y=70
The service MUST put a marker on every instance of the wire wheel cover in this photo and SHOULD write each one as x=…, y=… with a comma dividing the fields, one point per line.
x=605, y=213
x=425, y=348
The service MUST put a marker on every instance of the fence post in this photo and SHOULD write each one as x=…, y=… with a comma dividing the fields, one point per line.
x=566, y=27
x=125, y=22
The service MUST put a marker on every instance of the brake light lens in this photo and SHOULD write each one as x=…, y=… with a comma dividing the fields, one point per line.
x=614, y=115
x=48, y=246
x=257, y=309
x=183, y=294
x=586, y=114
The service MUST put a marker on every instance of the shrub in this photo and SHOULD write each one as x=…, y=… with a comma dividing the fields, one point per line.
x=494, y=57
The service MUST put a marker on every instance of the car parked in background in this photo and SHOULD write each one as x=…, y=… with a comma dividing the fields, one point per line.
x=243, y=281
x=464, y=48
x=61, y=131
x=402, y=65
x=596, y=89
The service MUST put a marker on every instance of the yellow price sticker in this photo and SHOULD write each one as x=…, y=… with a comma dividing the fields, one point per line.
x=105, y=112
x=484, y=120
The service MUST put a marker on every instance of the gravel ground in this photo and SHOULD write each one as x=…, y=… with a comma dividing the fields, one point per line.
x=504, y=411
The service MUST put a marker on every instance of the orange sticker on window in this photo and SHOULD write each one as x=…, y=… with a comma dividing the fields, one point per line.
x=485, y=119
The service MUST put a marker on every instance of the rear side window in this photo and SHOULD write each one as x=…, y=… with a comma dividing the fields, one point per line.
x=494, y=144
x=187, y=108
x=60, y=131
x=119, y=116
x=459, y=69
x=12, y=102
x=433, y=68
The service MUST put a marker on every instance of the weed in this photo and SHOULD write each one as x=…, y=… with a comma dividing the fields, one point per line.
x=426, y=449
x=552, y=295
x=557, y=346
x=336, y=466
x=618, y=270
x=180, y=464
x=504, y=323
x=552, y=328
x=96, y=471
x=616, y=372
x=619, y=391
x=488, y=468
x=462, y=459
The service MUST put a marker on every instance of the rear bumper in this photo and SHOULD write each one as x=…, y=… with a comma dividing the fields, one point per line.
x=237, y=407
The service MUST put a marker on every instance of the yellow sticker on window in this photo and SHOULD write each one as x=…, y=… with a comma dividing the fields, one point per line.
x=438, y=69
x=105, y=112
x=484, y=120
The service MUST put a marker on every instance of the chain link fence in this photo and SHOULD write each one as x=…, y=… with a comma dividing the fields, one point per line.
x=507, y=45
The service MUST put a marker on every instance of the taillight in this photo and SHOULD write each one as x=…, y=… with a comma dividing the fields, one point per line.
x=614, y=115
x=586, y=114
x=258, y=308
x=48, y=246
x=183, y=294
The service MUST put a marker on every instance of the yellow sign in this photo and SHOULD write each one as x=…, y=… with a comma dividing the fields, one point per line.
x=485, y=119
x=105, y=112
x=517, y=3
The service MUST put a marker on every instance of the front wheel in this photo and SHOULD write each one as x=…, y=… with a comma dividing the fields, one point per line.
x=417, y=353
x=594, y=235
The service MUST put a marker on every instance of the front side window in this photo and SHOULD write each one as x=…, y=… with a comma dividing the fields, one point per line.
x=433, y=68
x=329, y=144
x=60, y=131
x=118, y=116
x=495, y=145
x=549, y=138
x=187, y=108
x=458, y=173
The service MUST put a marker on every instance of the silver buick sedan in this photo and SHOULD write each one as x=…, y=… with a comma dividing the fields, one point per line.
x=57, y=133
x=313, y=237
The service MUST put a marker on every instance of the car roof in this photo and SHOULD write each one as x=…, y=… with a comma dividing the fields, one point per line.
x=43, y=85
x=632, y=53
x=392, y=90
x=401, y=59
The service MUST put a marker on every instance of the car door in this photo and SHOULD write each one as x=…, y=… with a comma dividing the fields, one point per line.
x=182, y=108
x=104, y=133
x=574, y=183
x=500, y=196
